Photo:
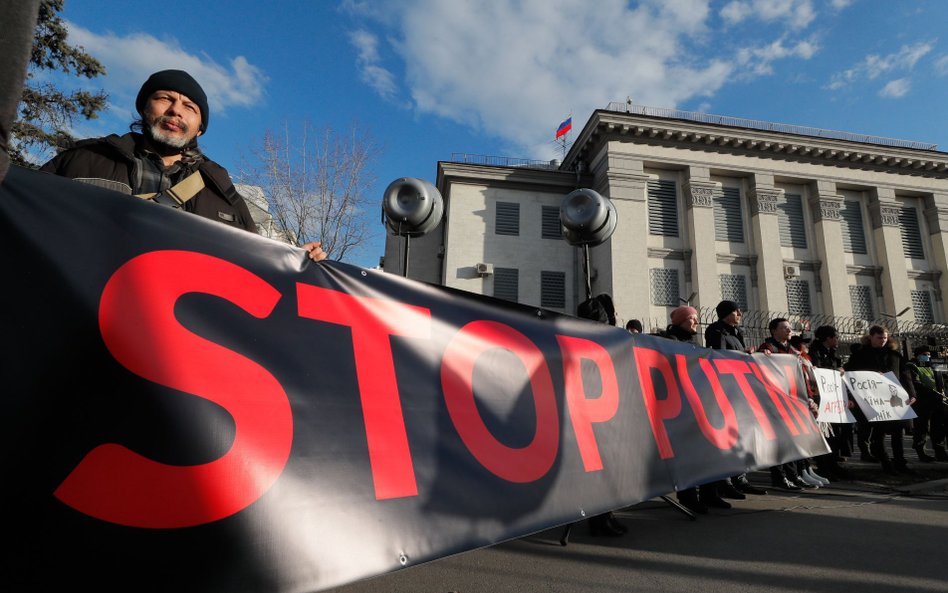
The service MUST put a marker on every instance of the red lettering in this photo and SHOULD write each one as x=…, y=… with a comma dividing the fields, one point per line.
x=763, y=375
x=740, y=369
x=725, y=437
x=778, y=394
x=659, y=410
x=372, y=322
x=138, y=326
x=520, y=465
x=583, y=412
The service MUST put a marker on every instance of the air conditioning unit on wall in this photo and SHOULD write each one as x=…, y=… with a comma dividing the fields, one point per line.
x=484, y=269
x=791, y=271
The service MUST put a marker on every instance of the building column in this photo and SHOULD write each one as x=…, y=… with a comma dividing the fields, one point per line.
x=699, y=192
x=887, y=235
x=617, y=263
x=936, y=215
x=825, y=205
x=771, y=284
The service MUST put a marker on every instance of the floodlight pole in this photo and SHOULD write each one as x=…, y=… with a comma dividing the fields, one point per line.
x=586, y=271
x=405, y=261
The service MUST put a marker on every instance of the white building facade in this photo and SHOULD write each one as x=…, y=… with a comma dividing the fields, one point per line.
x=777, y=218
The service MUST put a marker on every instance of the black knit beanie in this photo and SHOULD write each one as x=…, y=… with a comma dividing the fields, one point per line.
x=725, y=308
x=178, y=81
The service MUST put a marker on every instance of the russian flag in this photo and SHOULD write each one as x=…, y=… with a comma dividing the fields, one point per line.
x=566, y=126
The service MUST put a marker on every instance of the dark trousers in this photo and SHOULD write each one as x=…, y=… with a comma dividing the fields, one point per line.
x=894, y=429
x=930, y=423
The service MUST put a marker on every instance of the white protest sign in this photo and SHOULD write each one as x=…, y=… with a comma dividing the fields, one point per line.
x=834, y=405
x=880, y=394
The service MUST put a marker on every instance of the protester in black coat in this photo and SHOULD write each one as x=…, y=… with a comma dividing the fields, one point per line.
x=684, y=328
x=726, y=334
x=880, y=354
x=824, y=356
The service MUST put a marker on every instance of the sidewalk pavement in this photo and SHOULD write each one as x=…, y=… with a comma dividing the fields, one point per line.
x=875, y=533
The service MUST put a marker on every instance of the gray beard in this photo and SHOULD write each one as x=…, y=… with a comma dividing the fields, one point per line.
x=159, y=136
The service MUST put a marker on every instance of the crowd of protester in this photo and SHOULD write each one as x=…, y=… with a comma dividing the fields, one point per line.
x=876, y=351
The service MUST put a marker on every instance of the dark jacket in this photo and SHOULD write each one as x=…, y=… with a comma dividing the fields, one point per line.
x=100, y=161
x=775, y=347
x=674, y=332
x=823, y=357
x=721, y=336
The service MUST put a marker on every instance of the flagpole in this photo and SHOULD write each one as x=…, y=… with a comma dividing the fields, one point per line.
x=562, y=134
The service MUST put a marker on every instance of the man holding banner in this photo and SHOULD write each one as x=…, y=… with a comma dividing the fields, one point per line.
x=823, y=354
x=161, y=161
x=880, y=354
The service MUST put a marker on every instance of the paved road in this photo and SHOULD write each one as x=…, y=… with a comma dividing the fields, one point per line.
x=873, y=534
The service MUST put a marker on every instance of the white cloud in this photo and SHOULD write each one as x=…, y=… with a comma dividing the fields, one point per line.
x=368, y=60
x=873, y=65
x=941, y=65
x=130, y=59
x=513, y=68
x=896, y=89
x=796, y=13
x=759, y=60
x=840, y=4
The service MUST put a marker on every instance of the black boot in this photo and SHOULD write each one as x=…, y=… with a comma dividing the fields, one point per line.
x=902, y=467
x=741, y=483
x=614, y=522
x=923, y=456
x=727, y=490
x=708, y=494
x=887, y=466
x=599, y=525
x=689, y=499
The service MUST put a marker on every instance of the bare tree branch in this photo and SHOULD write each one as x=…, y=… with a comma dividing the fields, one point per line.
x=317, y=182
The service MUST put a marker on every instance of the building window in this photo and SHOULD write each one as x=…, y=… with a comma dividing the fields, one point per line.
x=911, y=235
x=734, y=288
x=861, y=299
x=507, y=219
x=553, y=290
x=662, y=208
x=728, y=222
x=507, y=284
x=790, y=221
x=664, y=284
x=922, y=306
x=798, y=297
x=854, y=236
x=551, y=228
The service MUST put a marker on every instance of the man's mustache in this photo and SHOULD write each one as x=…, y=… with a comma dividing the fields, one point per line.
x=179, y=123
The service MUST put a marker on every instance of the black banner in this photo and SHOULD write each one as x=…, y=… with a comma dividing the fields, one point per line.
x=190, y=407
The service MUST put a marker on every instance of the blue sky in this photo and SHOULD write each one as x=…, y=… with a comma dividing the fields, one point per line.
x=429, y=78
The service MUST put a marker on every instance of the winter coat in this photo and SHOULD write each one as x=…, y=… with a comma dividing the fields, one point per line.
x=110, y=162
x=721, y=336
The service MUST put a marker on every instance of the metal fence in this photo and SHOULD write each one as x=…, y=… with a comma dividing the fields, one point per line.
x=504, y=161
x=850, y=330
x=766, y=126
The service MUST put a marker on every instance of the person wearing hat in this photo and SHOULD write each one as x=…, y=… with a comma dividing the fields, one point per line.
x=880, y=353
x=823, y=354
x=930, y=407
x=698, y=499
x=160, y=160
x=726, y=334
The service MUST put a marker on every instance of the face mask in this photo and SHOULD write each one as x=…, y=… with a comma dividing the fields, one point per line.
x=923, y=358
